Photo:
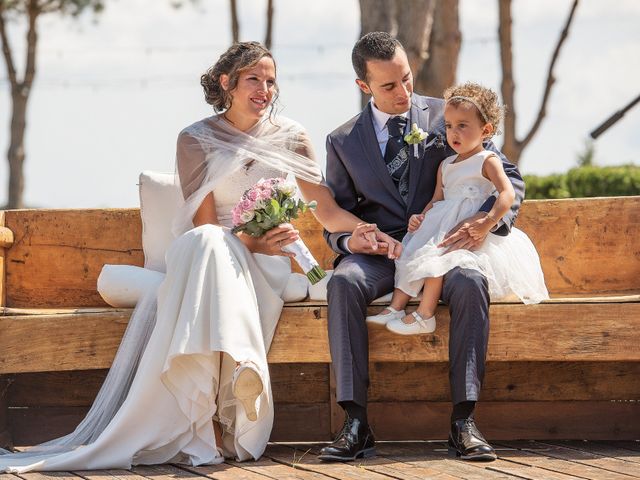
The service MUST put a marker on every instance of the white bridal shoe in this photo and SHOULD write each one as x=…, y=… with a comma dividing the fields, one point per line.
x=384, y=318
x=247, y=387
x=419, y=325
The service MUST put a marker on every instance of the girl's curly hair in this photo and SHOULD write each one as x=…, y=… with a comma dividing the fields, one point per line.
x=482, y=97
x=238, y=58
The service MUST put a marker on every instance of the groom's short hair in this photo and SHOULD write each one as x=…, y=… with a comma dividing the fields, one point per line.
x=372, y=46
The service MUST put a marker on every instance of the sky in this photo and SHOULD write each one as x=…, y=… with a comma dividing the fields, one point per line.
x=113, y=91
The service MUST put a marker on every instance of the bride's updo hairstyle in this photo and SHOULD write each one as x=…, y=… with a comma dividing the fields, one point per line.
x=238, y=58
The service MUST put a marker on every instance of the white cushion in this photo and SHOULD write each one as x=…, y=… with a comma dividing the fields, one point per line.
x=318, y=292
x=122, y=285
x=159, y=197
x=297, y=288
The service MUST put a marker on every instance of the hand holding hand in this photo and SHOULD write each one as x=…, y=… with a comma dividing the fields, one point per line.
x=367, y=239
x=479, y=229
x=415, y=221
x=459, y=237
x=271, y=243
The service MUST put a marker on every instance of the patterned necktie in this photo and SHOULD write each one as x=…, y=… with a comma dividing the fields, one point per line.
x=396, y=155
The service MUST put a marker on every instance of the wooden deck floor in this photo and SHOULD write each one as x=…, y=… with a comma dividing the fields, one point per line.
x=558, y=460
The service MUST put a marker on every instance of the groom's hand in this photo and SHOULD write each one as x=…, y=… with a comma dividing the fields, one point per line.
x=367, y=239
x=460, y=236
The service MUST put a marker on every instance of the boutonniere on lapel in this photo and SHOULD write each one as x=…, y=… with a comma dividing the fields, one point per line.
x=415, y=137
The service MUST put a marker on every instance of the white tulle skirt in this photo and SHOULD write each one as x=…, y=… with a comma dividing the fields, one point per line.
x=510, y=263
x=214, y=308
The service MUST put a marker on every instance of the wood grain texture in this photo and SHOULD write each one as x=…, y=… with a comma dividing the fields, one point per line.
x=574, y=332
x=510, y=420
x=58, y=254
x=509, y=381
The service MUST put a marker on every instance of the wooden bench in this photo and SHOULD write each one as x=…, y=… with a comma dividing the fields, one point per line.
x=568, y=368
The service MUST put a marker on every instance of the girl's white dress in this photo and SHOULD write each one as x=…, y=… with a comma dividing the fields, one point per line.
x=510, y=263
x=158, y=401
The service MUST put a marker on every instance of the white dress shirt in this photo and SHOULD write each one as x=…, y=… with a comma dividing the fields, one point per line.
x=380, y=120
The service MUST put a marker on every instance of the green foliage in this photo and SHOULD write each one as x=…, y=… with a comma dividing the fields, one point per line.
x=586, y=181
x=69, y=7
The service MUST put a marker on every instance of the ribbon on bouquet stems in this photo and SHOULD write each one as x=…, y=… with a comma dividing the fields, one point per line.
x=305, y=259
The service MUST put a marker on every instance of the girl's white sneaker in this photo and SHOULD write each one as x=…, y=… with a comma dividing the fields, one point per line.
x=247, y=387
x=418, y=326
x=384, y=318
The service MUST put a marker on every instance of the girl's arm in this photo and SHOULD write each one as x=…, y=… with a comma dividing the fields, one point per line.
x=493, y=170
x=438, y=194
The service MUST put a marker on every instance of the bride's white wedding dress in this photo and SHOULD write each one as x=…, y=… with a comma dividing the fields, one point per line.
x=216, y=297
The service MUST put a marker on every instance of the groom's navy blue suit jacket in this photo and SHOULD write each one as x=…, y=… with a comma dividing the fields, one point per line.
x=361, y=184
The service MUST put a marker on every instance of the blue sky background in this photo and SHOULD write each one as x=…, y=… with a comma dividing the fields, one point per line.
x=112, y=92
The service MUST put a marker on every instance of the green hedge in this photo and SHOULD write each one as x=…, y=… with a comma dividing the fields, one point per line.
x=586, y=181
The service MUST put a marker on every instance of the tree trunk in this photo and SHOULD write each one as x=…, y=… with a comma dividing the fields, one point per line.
x=268, y=35
x=235, y=26
x=414, y=30
x=16, y=153
x=20, y=91
x=376, y=16
x=510, y=147
x=439, y=70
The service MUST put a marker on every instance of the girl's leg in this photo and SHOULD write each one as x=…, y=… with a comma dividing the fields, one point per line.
x=430, y=296
x=399, y=300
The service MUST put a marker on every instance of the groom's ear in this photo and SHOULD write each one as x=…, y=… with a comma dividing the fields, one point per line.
x=363, y=86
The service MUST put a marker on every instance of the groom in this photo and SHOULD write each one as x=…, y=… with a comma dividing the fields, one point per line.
x=374, y=174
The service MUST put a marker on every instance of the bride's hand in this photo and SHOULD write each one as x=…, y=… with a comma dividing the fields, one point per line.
x=271, y=243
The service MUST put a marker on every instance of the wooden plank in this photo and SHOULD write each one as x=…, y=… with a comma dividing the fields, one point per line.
x=305, y=422
x=278, y=471
x=633, y=445
x=114, y=474
x=291, y=383
x=509, y=381
x=582, y=464
x=296, y=383
x=597, y=448
x=593, y=459
x=576, y=237
x=301, y=455
x=594, y=332
x=223, y=471
x=304, y=460
x=173, y=472
x=58, y=254
x=431, y=452
x=49, y=476
x=31, y=426
x=510, y=420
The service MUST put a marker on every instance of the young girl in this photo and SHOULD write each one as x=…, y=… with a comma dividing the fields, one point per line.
x=464, y=182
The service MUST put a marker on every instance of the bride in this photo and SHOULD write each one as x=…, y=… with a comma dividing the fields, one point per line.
x=190, y=381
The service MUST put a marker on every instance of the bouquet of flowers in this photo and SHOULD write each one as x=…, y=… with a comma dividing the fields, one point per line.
x=266, y=205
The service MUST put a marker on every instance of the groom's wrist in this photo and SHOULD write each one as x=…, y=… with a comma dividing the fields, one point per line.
x=343, y=243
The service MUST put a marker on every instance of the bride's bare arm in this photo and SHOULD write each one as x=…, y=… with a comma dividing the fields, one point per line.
x=332, y=217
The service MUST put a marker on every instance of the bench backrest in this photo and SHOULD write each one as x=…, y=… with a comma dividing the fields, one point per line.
x=587, y=246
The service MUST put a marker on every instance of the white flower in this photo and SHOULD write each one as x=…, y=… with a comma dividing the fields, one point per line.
x=287, y=188
x=416, y=135
x=247, y=216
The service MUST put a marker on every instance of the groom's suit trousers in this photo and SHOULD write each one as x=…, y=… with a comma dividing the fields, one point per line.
x=358, y=280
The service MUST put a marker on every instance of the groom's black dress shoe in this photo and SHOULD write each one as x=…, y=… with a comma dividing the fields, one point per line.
x=354, y=441
x=466, y=442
